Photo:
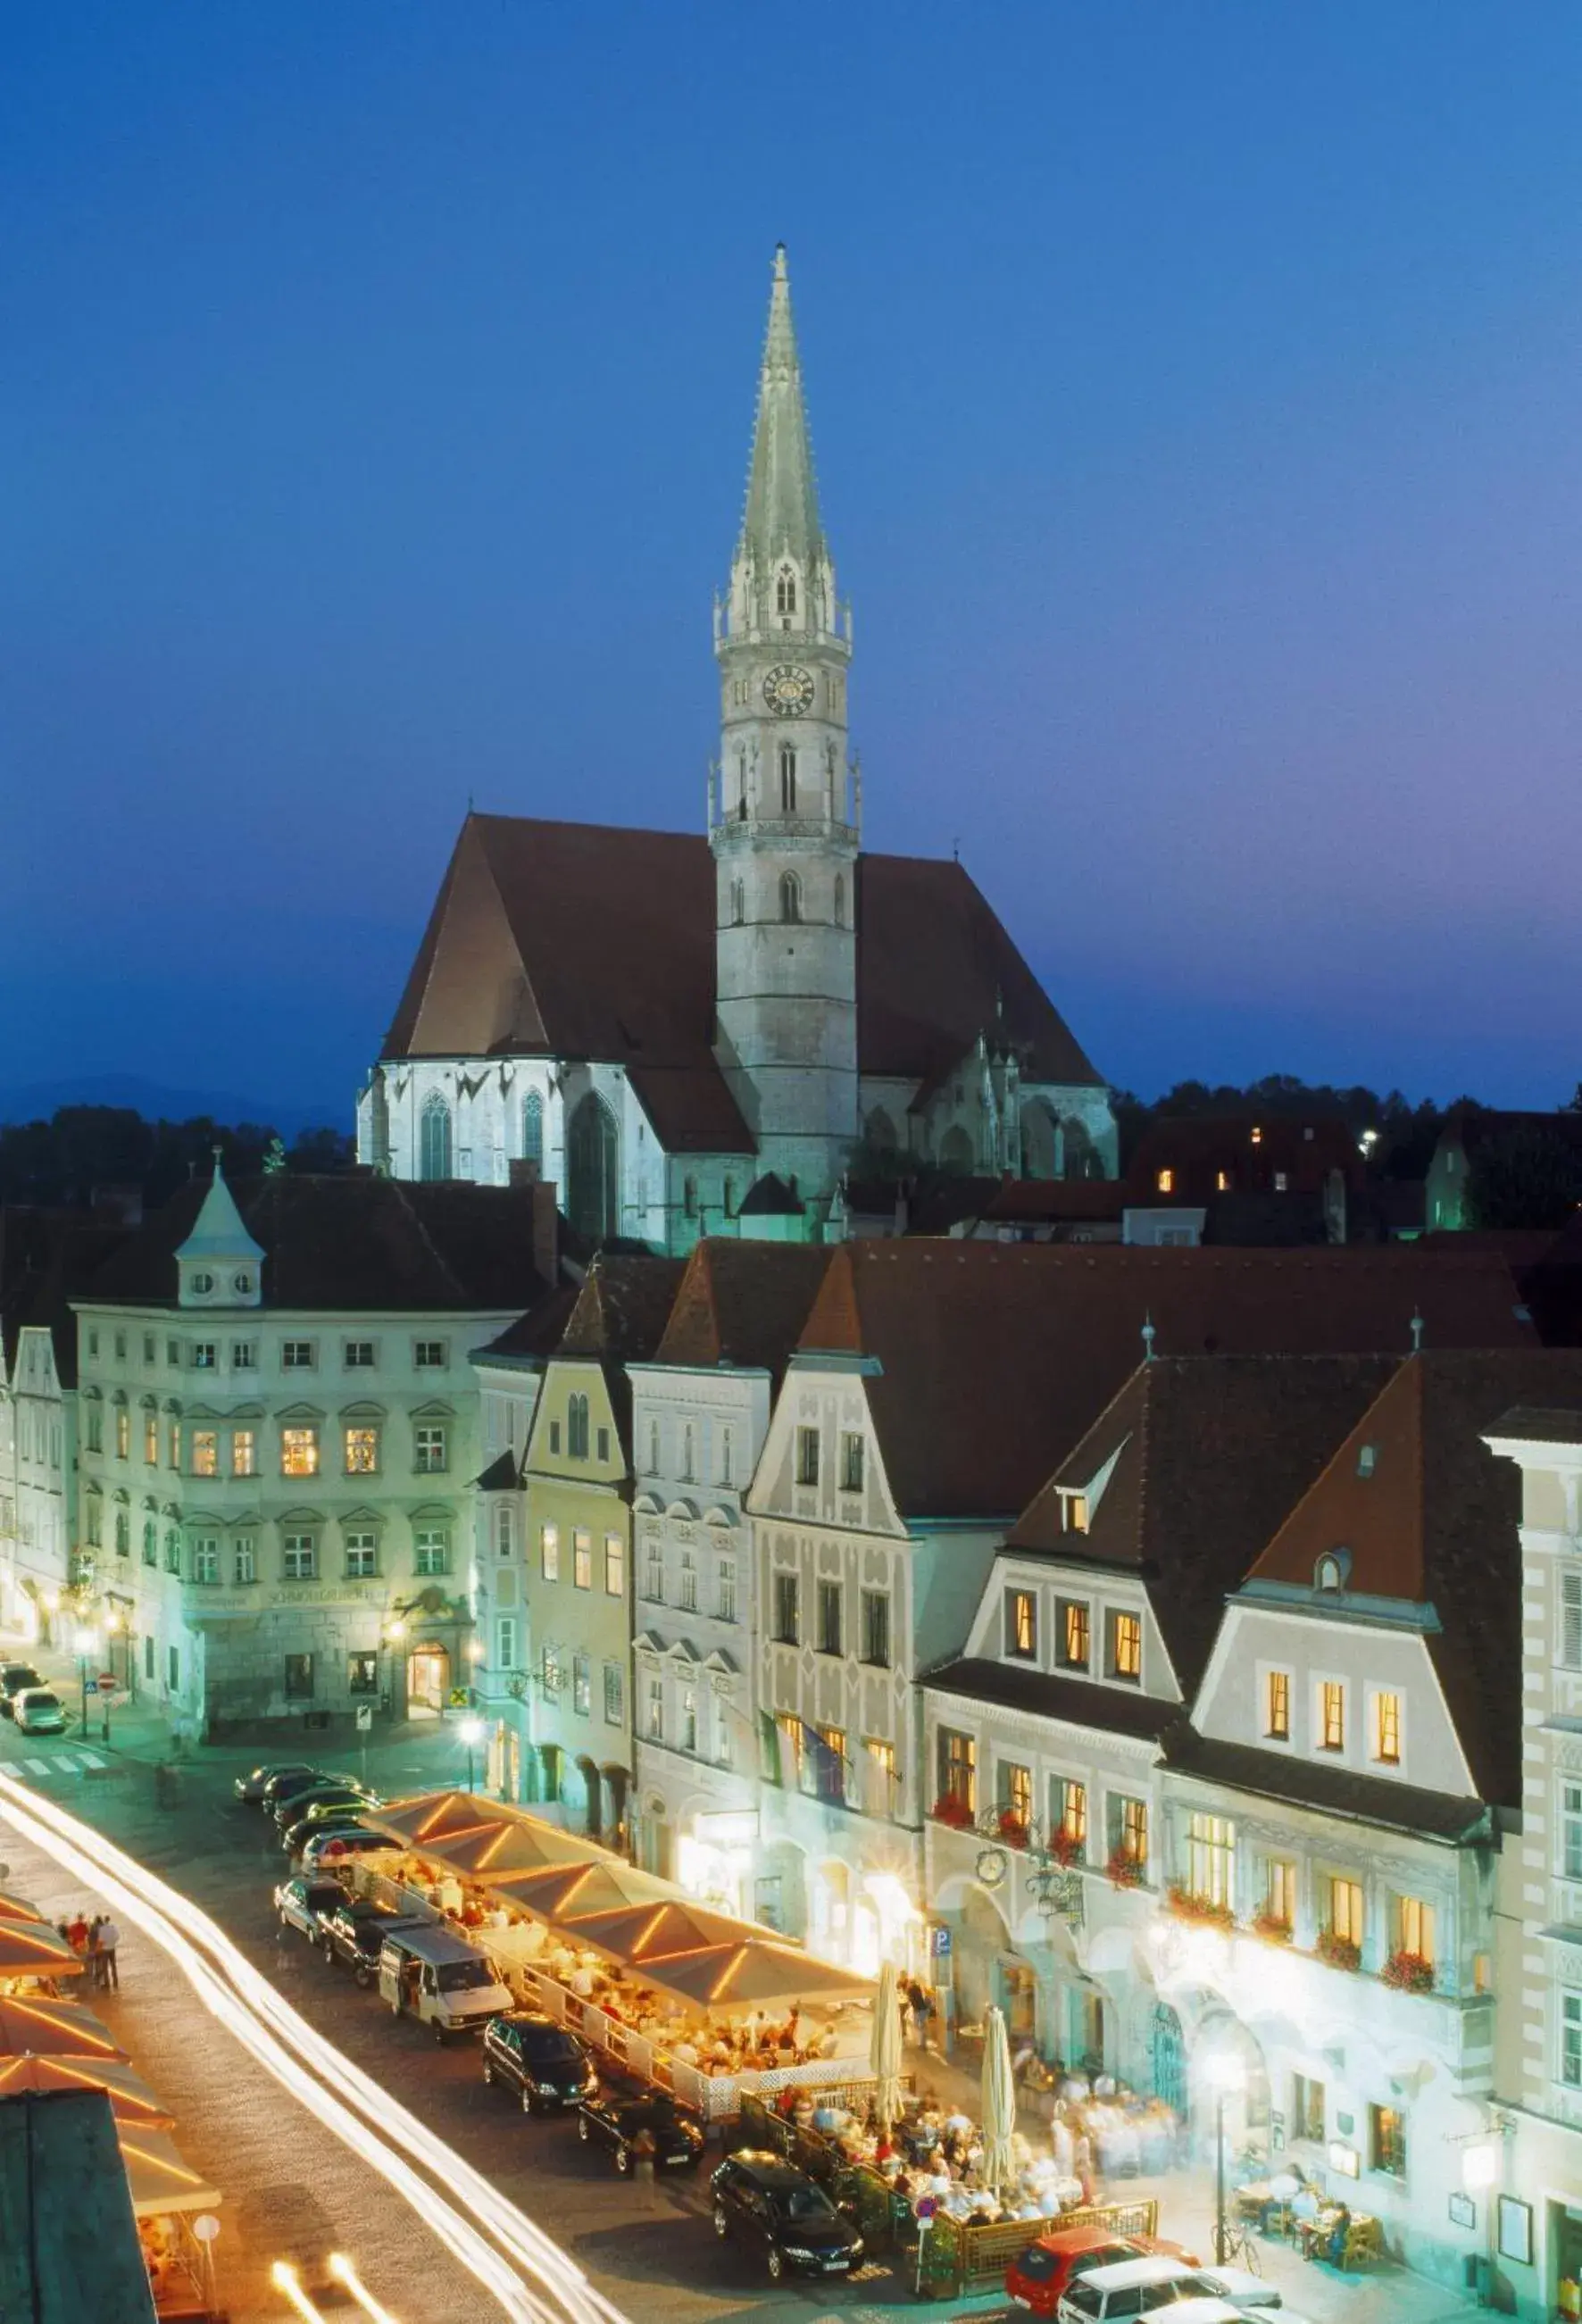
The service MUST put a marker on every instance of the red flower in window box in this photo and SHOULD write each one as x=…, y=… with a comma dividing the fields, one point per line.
x=1187, y=1908
x=1409, y=1972
x=1271, y=1928
x=1340, y=1952
x=1012, y=1828
x=1125, y=1870
x=1066, y=1848
x=954, y=1810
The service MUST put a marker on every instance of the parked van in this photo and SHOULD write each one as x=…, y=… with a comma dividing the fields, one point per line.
x=442, y=1979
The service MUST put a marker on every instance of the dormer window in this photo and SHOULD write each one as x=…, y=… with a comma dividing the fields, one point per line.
x=1074, y=1510
x=1166, y=1182
x=1367, y=1456
x=202, y=1283
x=1331, y=1571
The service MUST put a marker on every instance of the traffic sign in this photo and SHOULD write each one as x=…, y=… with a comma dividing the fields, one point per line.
x=107, y=1682
x=364, y=1718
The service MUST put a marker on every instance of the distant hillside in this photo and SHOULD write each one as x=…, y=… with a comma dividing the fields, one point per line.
x=39, y=1101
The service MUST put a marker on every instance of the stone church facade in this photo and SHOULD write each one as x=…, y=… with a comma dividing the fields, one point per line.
x=763, y=1002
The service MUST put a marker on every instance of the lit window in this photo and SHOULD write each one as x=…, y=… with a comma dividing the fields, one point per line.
x=1073, y=1510
x=175, y=1444
x=1345, y=1919
x=1125, y=1645
x=206, y=1453
x=1222, y=1182
x=299, y=1451
x=1072, y=1621
x=428, y=1450
x=549, y=1553
x=582, y=1686
x=361, y=1556
x=1414, y=1929
x=301, y=1557
x=1211, y=1860
x=1387, y=2140
x=362, y=1452
x=362, y=1673
x=807, y=1449
x=1128, y=1829
x=1014, y=1795
x=1332, y=1715
x=1166, y=1182
x=582, y=1559
x=1257, y=1137
x=1280, y=1893
x=123, y=1433
x=1307, y=2111
x=614, y=1566
x=1367, y=1456
x=1070, y=1819
x=958, y=1770
x=1022, y=1625
x=243, y=1453
x=150, y=1438
x=1277, y=1706
x=1388, y=1729
x=1281, y=1183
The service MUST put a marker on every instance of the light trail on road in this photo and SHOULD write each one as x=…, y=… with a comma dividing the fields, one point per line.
x=345, y=2272
x=236, y=1994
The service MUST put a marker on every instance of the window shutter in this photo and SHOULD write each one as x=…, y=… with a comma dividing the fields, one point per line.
x=1571, y=1620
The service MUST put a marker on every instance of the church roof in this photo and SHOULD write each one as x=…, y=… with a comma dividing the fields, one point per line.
x=781, y=515
x=587, y=941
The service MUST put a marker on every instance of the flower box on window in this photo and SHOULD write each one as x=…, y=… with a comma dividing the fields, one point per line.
x=1271, y=1928
x=1340, y=1952
x=1409, y=1972
x=1012, y=1829
x=1187, y=1908
x=1067, y=1847
x=1124, y=1868
x=954, y=1810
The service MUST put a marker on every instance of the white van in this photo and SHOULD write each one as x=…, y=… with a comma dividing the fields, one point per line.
x=1127, y=2288
x=442, y=1979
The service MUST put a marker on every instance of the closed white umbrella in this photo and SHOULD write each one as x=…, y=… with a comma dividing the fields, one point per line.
x=1000, y=2102
x=884, y=2049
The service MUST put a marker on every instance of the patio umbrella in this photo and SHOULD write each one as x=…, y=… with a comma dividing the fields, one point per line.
x=999, y=2101
x=158, y=2176
x=633, y=1931
x=12, y=1908
x=735, y=1976
x=884, y=2054
x=428, y=1817
x=33, y=1948
x=32, y=2023
x=555, y=1891
x=132, y=2101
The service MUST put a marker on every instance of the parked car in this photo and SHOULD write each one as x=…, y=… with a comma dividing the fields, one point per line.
x=1036, y=2277
x=354, y=1933
x=315, y=1809
x=530, y=2053
x=38, y=1711
x=322, y=1849
x=288, y=1781
x=292, y=1806
x=252, y=1786
x=302, y=1904
x=296, y=1837
x=613, y=2117
x=14, y=1678
x=787, y=2214
x=1131, y=2287
x=1242, y=2288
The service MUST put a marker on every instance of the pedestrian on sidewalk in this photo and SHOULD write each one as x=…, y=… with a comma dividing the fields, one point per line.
x=96, y=1967
x=918, y=1994
x=110, y=1938
x=77, y=1934
x=644, y=2147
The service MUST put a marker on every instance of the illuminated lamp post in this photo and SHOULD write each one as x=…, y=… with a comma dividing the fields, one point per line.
x=112, y=1627
x=1223, y=2073
x=88, y=1650
x=471, y=1732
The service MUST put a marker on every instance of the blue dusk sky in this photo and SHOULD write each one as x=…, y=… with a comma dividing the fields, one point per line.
x=1194, y=389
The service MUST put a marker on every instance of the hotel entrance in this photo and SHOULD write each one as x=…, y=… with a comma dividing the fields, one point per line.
x=428, y=1681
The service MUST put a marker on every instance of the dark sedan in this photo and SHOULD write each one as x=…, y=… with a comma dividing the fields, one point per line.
x=302, y=1904
x=329, y=1791
x=295, y=1838
x=252, y=1787
x=784, y=2214
x=286, y=1783
x=544, y=2064
x=355, y=1931
x=16, y=1678
x=614, y=2118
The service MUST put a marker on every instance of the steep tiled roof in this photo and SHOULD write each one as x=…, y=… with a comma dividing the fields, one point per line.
x=623, y=1309
x=1560, y=1424
x=1431, y=1520
x=1210, y=1454
x=506, y=966
x=995, y=1359
x=352, y=1243
x=539, y=1332
x=1044, y=1694
x=742, y=1303
x=47, y=1259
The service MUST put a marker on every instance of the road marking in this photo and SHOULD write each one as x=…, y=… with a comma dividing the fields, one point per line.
x=37, y=1766
x=66, y=1763
x=91, y=1759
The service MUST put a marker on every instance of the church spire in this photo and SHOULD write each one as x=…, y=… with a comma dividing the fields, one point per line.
x=781, y=517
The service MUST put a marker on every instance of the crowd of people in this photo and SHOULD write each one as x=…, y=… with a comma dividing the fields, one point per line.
x=95, y=1943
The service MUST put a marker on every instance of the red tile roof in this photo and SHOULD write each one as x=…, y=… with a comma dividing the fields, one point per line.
x=744, y=1304
x=996, y=1358
x=587, y=941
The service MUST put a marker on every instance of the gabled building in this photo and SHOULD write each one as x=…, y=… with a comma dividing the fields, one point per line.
x=280, y=1429
x=1045, y=1854
x=762, y=995
x=1336, y=1809
x=700, y=1413
x=576, y=1576
x=1269, y=1179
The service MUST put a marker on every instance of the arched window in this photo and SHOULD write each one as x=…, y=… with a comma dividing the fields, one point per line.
x=686, y=1453
x=729, y=1198
x=653, y=1448
x=839, y=899
x=790, y=896
x=738, y=903
x=689, y=1198
x=123, y=1533
x=786, y=591
x=434, y=1151
x=577, y=1427
x=1039, y=1146
x=592, y=1156
x=533, y=1131
x=879, y=1130
x=787, y=779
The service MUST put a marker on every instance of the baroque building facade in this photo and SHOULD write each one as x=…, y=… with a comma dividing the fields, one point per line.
x=764, y=999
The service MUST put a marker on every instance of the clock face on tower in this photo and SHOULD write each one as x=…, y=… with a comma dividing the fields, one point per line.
x=788, y=690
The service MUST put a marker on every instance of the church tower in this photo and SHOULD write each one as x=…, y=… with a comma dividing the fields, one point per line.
x=783, y=816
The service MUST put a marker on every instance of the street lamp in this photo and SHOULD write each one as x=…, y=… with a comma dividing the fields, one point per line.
x=112, y=1627
x=1224, y=2075
x=471, y=1732
x=88, y=1649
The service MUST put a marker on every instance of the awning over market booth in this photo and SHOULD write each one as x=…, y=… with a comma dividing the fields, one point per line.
x=33, y=1948
x=132, y=2101
x=32, y=2025
x=159, y=2178
x=13, y=1908
x=558, y=1891
x=636, y=1932
x=756, y=1971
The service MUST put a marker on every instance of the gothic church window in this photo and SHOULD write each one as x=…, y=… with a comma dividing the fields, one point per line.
x=840, y=900
x=738, y=903
x=786, y=591
x=533, y=1131
x=592, y=1156
x=790, y=897
x=787, y=780
x=433, y=1156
